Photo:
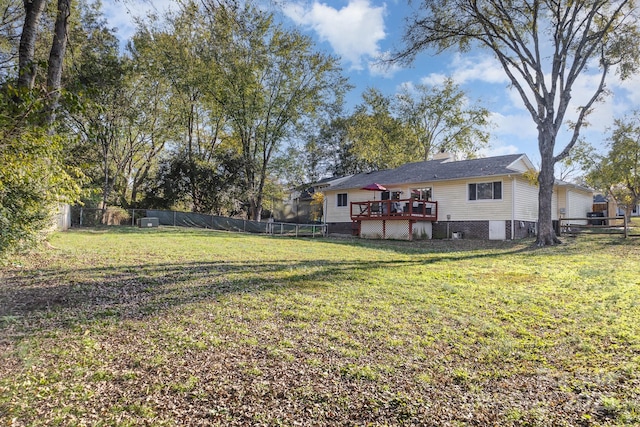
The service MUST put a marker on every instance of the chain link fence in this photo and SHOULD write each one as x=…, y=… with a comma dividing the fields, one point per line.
x=92, y=217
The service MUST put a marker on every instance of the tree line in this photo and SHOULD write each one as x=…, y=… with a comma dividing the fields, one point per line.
x=218, y=106
x=213, y=108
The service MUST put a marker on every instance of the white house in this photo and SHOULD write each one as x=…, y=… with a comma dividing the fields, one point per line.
x=488, y=198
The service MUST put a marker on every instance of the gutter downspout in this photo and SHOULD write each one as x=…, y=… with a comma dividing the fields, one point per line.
x=566, y=204
x=513, y=208
x=325, y=205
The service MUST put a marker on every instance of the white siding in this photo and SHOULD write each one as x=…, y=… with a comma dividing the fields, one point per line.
x=526, y=203
x=562, y=202
x=337, y=213
x=452, y=198
x=579, y=203
x=62, y=218
x=554, y=203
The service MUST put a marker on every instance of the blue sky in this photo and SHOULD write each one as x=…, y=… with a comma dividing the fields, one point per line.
x=361, y=31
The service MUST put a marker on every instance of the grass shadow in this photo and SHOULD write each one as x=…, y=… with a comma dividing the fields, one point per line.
x=32, y=300
x=163, y=229
x=441, y=249
x=48, y=299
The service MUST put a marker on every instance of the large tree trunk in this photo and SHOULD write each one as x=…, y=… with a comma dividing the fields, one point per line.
x=255, y=210
x=627, y=213
x=105, y=170
x=546, y=178
x=56, y=56
x=26, y=65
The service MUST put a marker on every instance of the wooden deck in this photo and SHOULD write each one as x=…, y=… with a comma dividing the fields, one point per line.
x=402, y=209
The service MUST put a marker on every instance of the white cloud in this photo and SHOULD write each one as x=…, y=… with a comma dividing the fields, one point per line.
x=520, y=126
x=434, y=79
x=583, y=89
x=354, y=32
x=499, y=148
x=602, y=111
x=466, y=69
x=626, y=94
x=632, y=88
x=483, y=68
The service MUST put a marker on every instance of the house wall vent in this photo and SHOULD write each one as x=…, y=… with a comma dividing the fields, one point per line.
x=444, y=156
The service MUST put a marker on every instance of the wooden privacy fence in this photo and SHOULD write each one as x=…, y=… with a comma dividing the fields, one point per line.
x=595, y=225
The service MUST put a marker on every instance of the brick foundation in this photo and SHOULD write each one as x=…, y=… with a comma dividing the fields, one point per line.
x=469, y=229
x=480, y=229
x=523, y=229
x=339, y=228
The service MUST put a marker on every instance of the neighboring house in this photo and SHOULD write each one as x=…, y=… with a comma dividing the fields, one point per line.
x=634, y=212
x=610, y=208
x=601, y=204
x=488, y=198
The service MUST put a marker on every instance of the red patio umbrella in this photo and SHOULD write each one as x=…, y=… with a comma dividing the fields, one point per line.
x=375, y=187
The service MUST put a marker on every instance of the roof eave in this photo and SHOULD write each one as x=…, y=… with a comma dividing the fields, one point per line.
x=526, y=161
x=514, y=173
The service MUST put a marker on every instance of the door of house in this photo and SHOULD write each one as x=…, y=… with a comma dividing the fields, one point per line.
x=497, y=230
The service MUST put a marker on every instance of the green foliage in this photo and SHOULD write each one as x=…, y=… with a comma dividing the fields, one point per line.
x=418, y=122
x=618, y=172
x=197, y=184
x=442, y=119
x=270, y=79
x=332, y=149
x=115, y=215
x=578, y=162
x=379, y=137
x=231, y=80
x=126, y=118
x=317, y=204
x=10, y=18
x=33, y=176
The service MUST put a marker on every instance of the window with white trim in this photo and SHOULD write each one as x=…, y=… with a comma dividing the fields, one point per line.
x=390, y=195
x=342, y=199
x=421, y=193
x=485, y=191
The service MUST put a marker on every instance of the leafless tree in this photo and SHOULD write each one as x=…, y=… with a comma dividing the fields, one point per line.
x=544, y=47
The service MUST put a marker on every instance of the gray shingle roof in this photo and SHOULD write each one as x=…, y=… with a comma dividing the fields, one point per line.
x=599, y=198
x=433, y=170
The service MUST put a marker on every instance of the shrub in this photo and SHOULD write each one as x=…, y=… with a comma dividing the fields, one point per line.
x=115, y=215
x=33, y=177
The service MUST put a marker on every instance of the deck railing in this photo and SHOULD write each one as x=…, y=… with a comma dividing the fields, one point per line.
x=414, y=209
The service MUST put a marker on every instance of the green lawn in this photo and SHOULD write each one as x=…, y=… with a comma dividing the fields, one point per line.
x=189, y=327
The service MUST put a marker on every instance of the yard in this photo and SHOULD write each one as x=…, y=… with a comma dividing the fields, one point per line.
x=188, y=327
